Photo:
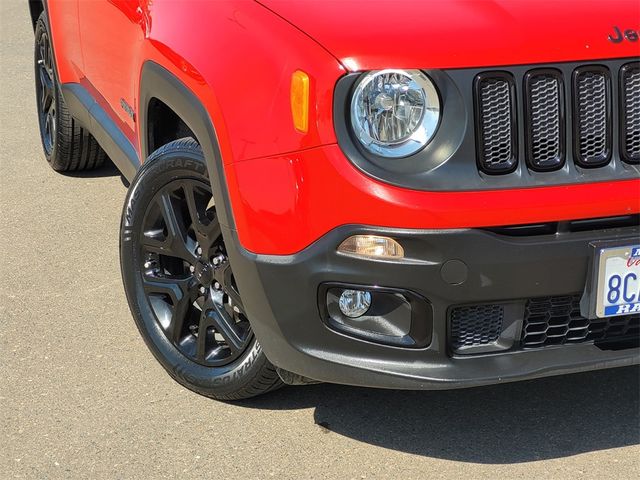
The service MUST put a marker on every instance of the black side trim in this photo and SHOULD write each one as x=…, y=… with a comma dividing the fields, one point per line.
x=158, y=82
x=84, y=108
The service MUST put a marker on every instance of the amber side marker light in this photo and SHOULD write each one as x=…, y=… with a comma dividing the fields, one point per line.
x=300, y=100
x=373, y=247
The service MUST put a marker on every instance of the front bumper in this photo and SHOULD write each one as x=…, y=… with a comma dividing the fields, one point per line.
x=281, y=298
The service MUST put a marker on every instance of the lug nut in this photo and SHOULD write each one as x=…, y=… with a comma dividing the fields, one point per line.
x=192, y=268
x=216, y=286
x=199, y=250
x=203, y=290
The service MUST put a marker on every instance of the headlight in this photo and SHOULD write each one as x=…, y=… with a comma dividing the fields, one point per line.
x=395, y=113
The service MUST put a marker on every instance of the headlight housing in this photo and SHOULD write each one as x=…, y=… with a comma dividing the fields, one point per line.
x=395, y=113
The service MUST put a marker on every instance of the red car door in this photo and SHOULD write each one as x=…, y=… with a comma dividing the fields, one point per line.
x=63, y=21
x=112, y=32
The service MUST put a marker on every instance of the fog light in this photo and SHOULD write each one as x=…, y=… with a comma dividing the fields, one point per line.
x=354, y=303
x=372, y=246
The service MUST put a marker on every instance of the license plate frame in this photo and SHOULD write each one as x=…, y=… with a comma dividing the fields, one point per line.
x=593, y=304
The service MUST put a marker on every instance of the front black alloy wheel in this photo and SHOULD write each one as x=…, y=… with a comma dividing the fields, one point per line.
x=187, y=276
x=179, y=279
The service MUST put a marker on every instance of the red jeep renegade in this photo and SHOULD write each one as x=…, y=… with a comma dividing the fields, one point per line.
x=400, y=194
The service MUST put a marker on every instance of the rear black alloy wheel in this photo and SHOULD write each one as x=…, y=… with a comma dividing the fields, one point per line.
x=67, y=146
x=187, y=276
x=179, y=280
x=45, y=84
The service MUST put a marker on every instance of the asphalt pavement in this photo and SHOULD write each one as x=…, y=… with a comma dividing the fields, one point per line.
x=82, y=397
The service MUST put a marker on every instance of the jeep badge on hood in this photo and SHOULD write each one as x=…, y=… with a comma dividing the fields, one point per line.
x=618, y=35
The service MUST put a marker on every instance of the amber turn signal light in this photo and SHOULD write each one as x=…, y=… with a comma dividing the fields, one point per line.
x=300, y=101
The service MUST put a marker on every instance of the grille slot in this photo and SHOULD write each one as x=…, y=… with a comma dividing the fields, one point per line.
x=592, y=116
x=552, y=228
x=630, y=112
x=495, y=113
x=475, y=325
x=544, y=119
x=557, y=321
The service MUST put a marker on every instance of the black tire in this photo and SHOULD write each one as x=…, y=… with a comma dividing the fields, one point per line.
x=67, y=146
x=159, y=268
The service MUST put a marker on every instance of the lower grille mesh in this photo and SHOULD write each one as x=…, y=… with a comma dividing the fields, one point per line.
x=547, y=321
x=475, y=325
x=557, y=320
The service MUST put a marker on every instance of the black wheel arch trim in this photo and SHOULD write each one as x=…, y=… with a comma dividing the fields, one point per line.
x=159, y=83
x=156, y=82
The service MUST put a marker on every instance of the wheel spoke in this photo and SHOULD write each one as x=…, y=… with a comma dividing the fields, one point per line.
x=223, y=275
x=51, y=115
x=181, y=291
x=175, y=288
x=207, y=230
x=46, y=86
x=44, y=47
x=180, y=312
x=153, y=244
x=224, y=324
x=201, y=341
x=175, y=243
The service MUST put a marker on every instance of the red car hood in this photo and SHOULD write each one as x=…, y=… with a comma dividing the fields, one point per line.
x=372, y=34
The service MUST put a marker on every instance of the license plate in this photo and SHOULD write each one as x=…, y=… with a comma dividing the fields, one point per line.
x=618, y=287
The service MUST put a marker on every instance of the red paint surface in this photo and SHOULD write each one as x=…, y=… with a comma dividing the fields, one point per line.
x=283, y=203
x=238, y=56
x=372, y=34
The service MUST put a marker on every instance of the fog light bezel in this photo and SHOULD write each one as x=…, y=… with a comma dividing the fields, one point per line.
x=421, y=325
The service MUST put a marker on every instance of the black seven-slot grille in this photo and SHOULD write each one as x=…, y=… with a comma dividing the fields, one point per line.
x=546, y=321
x=544, y=118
